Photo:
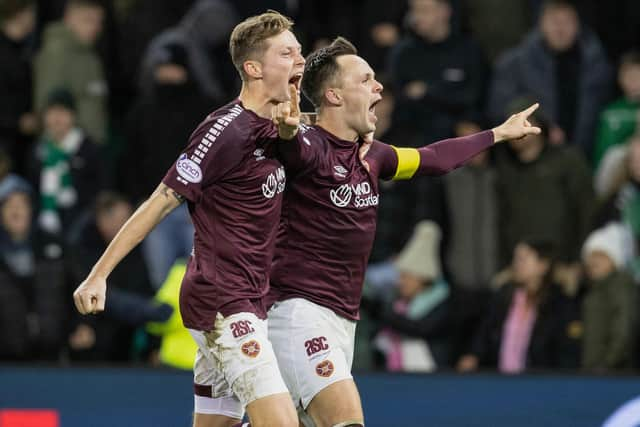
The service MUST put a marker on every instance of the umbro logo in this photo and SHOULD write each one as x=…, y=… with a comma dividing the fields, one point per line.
x=340, y=171
x=259, y=153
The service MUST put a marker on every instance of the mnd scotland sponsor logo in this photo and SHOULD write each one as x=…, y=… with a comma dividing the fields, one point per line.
x=359, y=193
x=275, y=183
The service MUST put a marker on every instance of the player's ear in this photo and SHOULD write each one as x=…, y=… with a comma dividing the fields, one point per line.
x=333, y=96
x=253, y=69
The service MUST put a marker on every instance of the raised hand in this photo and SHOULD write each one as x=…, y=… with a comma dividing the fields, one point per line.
x=517, y=126
x=286, y=115
x=90, y=296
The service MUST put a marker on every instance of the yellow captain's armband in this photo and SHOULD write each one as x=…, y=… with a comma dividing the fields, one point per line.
x=408, y=162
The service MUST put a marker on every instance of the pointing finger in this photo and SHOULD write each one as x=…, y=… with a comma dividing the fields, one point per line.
x=295, y=101
x=530, y=110
x=286, y=110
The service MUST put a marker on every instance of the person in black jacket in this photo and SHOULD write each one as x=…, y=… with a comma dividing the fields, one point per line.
x=157, y=127
x=527, y=325
x=17, y=122
x=161, y=121
x=438, y=76
x=33, y=300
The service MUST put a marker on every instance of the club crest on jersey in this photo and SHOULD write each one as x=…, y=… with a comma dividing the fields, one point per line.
x=251, y=349
x=360, y=193
x=188, y=169
x=340, y=171
x=324, y=368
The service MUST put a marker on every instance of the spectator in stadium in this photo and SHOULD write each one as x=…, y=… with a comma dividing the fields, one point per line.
x=437, y=75
x=68, y=59
x=157, y=126
x=515, y=18
x=373, y=25
x=612, y=171
x=524, y=327
x=545, y=192
x=624, y=206
x=18, y=124
x=33, y=302
x=70, y=168
x=415, y=324
x=138, y=24
x=619, y=120
x=203, y=33
x=610, y=306
x=177, y=348
x=110, y=335
x=563, y=65
x=8, y=179
x=471, y=255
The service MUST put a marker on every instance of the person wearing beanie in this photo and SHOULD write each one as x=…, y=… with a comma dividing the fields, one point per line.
x=623, y=206
x=609, y=308
x=71, y=170
x=414, y=334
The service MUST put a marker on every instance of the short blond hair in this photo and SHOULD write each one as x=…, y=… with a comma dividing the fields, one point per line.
x=249, y=37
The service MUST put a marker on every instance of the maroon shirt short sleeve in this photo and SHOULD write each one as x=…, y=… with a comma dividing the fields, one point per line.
x=210, y=154
x=234, y=186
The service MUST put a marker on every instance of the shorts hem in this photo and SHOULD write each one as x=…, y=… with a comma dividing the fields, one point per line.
x=213, y=406
x=305, y=401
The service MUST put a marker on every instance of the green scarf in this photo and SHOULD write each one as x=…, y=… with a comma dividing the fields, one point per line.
x=428, y=299
x=56, y=184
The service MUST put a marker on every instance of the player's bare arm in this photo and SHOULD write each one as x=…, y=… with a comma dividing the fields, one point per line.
x=89, y=297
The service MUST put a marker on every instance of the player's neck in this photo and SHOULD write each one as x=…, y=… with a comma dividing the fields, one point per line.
x=331, y=121
x=254, y=99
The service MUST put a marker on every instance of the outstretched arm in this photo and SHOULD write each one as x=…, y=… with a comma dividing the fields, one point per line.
x=89, y=297
x=444, y=156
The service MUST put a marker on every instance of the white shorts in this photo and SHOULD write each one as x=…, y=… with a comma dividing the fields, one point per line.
x=314, y=347
x=235, y=365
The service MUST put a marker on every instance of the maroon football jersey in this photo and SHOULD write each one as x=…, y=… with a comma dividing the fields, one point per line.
x=233, y=185
x=329, y=212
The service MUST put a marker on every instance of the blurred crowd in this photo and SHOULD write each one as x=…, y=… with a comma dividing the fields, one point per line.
x=525, y=259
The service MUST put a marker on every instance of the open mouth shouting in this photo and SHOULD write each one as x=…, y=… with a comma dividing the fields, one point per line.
x=296, y=80
x=372, y=110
